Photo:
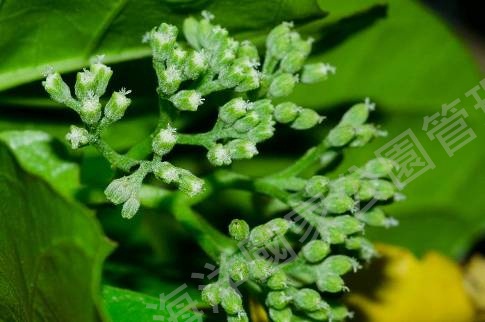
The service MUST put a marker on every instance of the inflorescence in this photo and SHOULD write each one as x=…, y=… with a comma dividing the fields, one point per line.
x=210, y=61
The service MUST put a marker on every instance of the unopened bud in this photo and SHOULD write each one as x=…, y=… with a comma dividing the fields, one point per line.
x=278, y=226
x=341, y=135
x=177, y=57
x=117, y=105
x=231, y=301
x=85, y=84
x=241, y=149
x=102, y=74
x=195, y=65
x=286, y=112
x=211, y=294
x=90, y=110
x=163, y=40
x=239, y=229
x=120, y=190
x=278, y=300
x=338, y=203
x=278, y=281
x=379, y=168
x=248, y=50
x=260, y=269
x=282, y=85
x=187, y=100
x=164, y=140
x=219, y=155
x=315, y=251
x=77, y=136
x=306, y=119
x=190, y=184
x=57, y=88
x=284, y=315
x=239, y=270
x=340, y=264
x=347, y=224
x=331, y=283
x=293, y=61
x=278, y=41
x=246, y=123
x=316, y=186
x=313, y=73
x=169, y=79
x=130, y=208
x=233, y=110
x=307, y=300
x=166, y=172
x=356, y=115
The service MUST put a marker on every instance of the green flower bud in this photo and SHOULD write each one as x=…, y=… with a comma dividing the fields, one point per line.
x=166, y=172
x=356, y=115
x=284, y=315
x=341, y=135
x=333, y=235
x=248, y=50
x=379, y=168
x=278, y=226
x=239, y=229
x=249, y=81
x=315, y=251
x=163, y=40
x=120, y=190
x=190, y=184
x=211, y=294
x=231, y=301
x=117, y=105
x=348, y=185
x=282, y=85
x=374, y=217
x=340, y=264
x=90, y=110
x=177, y=57
x=307, y=300
x=239, y=270
x=366, y=248
x=263, y=131
x=219, y=155
x=338, y=203
x=130, y=208
x=164, y=140
x=233, y=75
x=259, y=269
x=278, y=41
x=57, y=88
x=347, y=224
x=331, y=283
x=313, y=73
x=286, y=112
x=169, y=79
x=77, y=136
x=240, y=317
x=366, y=190
x=233, y=110
x=246, y=123
x=316, y=186
x=264, y=108
x=306, y=119
x=278, y=300
x=191, y=31
x=278, y=281
x=260, y=235
x=383, y=190
x=187, y=100
x=102, y=74
x=321, y=315
x=293, y=61
x=241, y=149
x=195, y=65
x=340, y=313
x=364, y=134
x=85, y=84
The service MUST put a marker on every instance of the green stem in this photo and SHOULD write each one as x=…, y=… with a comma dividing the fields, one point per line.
x=118, y=161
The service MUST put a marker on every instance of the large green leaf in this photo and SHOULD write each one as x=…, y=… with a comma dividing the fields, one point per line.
x=408, y=62
x=66, y=34
x=128, y=306
x=51, y=252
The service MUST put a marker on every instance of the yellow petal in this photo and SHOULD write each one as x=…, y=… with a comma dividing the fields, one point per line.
x=406, y=289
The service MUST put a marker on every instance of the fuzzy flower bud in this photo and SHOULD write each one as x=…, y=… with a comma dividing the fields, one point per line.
x=190, y=184
x=85, y=84
x=102, y=74
x=169, y=79
x=284, y=315
x=164, y=140
x=187, y=100
x=239, y=270
x=57, y=88
x=120, y=190
x=233, y=110
x=306, y=119
x=278, y=281
x=166, y=172
x=341, y=135
x=278, y=300
x=338, y=203
x=346, y=224
x=313, y=73
x=130, y=208
x=195, y=64
x=219, y=155
x=286, y=112
x=90, y=110
x=239, y=229
x=282, y=85
x=163, y=39
x=376, y=217
x=340, y=264
x=278, y=226
x=278, y=41
x=248, y=50
x=249, y=81
x=378, y=168
x=260, y=270
x=293, y=61
x=177, y=57
x=246, y=123
x=356, y=115
x=117, y=105
x=331, y=283
x=307, y=300
x=231, y=301
x=211, y=294
x=259, y=236
x=315, y=251
x=241, y=149
x=77, y=136
x=316, y=186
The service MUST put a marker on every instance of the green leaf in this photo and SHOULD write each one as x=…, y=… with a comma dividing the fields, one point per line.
x=127, y=306
x=40, y=155
x=51, y=252
x=408, y=62
x=65, y=35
